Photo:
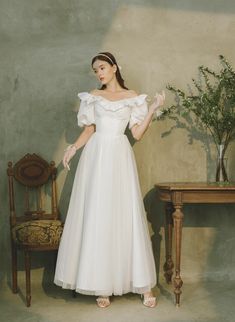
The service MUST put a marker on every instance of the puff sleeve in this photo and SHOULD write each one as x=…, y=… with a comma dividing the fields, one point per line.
x=139, y=110
x=86, y=115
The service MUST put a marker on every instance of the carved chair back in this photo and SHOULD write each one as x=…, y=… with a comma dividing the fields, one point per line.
x=36, y=178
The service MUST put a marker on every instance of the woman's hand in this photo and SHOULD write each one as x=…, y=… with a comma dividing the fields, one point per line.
x=69, y=153
x=158, y=101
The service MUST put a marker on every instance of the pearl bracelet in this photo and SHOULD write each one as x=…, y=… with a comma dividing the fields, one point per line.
x=71, y=146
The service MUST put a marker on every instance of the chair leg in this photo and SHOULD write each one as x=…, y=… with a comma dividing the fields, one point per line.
x=14, y=267
x=27, y=273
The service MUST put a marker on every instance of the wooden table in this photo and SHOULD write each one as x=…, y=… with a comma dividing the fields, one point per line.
x=176, y=195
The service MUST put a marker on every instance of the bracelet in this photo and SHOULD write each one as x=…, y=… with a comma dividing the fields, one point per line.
x=71, y=146
x=74, y=147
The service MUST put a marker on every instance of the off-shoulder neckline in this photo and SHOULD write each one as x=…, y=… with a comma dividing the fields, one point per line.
x=116, y=101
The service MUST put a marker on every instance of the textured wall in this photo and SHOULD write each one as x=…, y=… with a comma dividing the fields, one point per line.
x=46, y=48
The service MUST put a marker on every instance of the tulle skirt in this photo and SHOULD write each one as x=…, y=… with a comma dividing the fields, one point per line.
x=105, y=247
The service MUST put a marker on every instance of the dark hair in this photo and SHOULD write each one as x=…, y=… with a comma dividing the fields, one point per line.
x=109, y=58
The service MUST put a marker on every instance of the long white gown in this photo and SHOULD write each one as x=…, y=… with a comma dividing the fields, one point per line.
x=105, y=247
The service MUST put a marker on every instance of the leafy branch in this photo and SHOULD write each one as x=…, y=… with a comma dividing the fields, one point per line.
x=211, y=103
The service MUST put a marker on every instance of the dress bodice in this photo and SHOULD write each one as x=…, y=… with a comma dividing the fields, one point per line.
x=111, y=117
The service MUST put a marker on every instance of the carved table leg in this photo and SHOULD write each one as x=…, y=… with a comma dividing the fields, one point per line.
x=169, y=265
x=178, y=221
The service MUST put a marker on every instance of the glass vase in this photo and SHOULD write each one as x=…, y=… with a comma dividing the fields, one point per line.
x=221, y=173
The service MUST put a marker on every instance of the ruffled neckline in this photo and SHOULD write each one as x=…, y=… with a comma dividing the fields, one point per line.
x=106, y=103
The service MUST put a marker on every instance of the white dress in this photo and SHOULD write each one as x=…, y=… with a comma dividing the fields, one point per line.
x=105, y=247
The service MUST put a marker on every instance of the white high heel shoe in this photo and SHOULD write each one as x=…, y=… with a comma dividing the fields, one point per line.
x=103, y=301
x=149, y=301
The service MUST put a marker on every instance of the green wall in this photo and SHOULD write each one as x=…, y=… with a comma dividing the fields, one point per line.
x=46, y=49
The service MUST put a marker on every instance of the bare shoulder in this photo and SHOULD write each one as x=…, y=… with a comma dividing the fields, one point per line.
x=131, y=93
x=95, y=92
x=125, y=93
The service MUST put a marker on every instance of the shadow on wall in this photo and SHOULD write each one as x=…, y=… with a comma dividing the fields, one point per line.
x=195, y=134
x=155, y=215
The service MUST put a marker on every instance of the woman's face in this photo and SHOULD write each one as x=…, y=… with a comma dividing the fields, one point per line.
x=104, y=71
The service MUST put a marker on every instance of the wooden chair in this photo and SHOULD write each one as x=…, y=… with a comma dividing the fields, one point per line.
x=34, y=228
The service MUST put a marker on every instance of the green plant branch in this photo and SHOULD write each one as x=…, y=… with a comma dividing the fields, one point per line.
x=213, y=105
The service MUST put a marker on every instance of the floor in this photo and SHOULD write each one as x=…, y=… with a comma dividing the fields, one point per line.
x=200, y=302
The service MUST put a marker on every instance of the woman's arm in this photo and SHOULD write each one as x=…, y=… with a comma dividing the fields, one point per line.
x=80, y=142
x=139, y=130
x=84, y=136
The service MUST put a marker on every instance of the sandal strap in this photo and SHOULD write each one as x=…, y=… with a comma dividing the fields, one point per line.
x=103, y=301
x=149, y=301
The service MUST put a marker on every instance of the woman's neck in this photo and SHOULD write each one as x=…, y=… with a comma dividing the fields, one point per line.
x=113, y=87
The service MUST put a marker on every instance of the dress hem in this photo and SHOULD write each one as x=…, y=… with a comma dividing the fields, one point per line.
x=137, y=290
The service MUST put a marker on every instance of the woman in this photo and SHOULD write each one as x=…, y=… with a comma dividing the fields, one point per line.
x=105, y=248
